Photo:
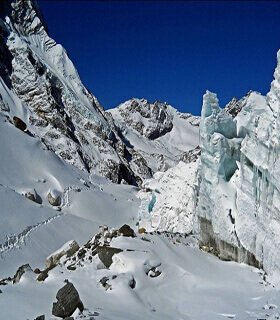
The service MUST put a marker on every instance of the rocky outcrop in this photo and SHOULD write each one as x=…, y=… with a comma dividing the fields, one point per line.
x=155, y=134
x=153, y=121
x=127, y=231
x=106, y=253
x=40, y=89
x=68, y=250
x=68, y=300
x=17, y=276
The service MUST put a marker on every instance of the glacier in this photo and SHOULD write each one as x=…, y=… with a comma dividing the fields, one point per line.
x=206, y=184
x=238, y=179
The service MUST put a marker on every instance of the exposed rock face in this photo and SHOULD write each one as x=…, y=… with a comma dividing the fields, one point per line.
x=33, y=196
x=238, y=192
x=19, y=123
x=40, y=88
x=155, y=134
x=68, y=250
x=154, y=120
x=127, y=231
x=20, y=272
x=106, y=253
x=16, y=278
x=68, y=301
x=235, y=106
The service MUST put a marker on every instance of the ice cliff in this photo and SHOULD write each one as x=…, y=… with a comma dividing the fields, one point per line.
x=238, y=199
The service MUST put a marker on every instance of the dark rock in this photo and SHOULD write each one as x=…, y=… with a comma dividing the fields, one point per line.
x=20, y=271
x=71, y=268
x=33, y=196
x=43, y=275
x=19, y=123
x=42, y=317
x=37, y=271
x=152, y=270
x=104, y=281
x=105, y=254
x=132, y=283
x=154, y=273
x=127, y=231
x=3, y=282
x=210, y=242
x=81, y=253
x=68, y=301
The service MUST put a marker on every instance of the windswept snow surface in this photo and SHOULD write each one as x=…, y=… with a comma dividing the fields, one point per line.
x=30, y=231
x=192, y=285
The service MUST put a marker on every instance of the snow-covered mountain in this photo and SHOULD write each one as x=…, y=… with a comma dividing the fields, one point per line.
x=158, y=132
x=56, y=106
x=209, y=183
x=40, y=85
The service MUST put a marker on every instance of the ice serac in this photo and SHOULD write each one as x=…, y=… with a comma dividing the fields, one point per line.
x=238, y=206
x=52, y=100
x=160, y=135
x=168, y=200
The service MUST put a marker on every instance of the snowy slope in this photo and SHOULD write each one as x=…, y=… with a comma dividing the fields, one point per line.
x=191, y=285
x=30, y=231
x=230, y=196
x=157, y=131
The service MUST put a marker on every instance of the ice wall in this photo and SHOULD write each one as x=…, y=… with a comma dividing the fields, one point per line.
x=238, y=204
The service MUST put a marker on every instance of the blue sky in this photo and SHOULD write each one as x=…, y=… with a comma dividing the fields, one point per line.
x=168, y=50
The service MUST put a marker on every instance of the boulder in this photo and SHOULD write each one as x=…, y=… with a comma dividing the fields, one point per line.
x=67, y=249
x=43, y=275
x=37, y=271
x=127, y=231
x=106, y=253
x=54, y=198
x=142, y=230
x=42, y=317
x=19, y=123
x=33, y=196
x=68, y=301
